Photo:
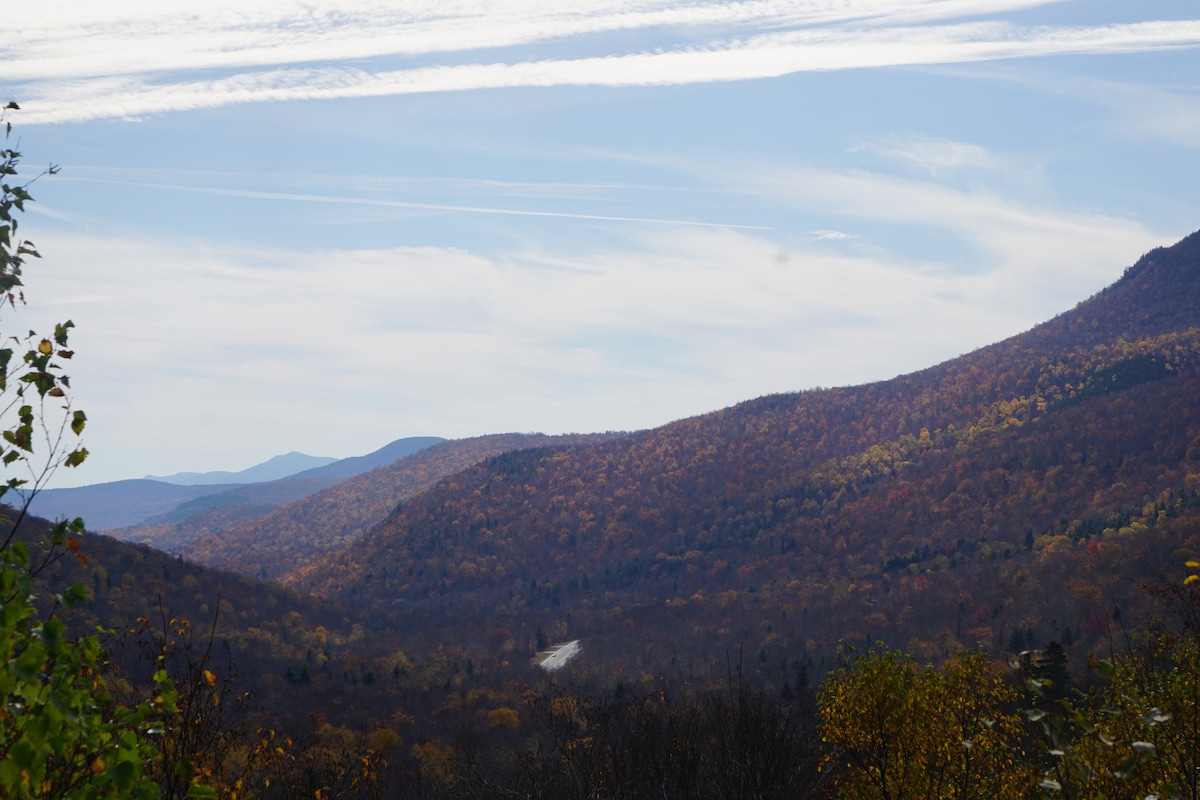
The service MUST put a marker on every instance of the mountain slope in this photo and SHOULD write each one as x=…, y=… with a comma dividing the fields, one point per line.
x=120, y=505
x=116, y=504
x=299, y=532
x=261, y=627
x=852, y=504
x=272, y=469
x=388, y=454
x=203, y=513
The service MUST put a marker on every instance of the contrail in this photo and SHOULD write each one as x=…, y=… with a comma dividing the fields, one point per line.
x=317, y=198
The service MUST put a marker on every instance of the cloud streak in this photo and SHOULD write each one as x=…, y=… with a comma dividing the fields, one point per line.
x=273, y=58
x=72, y=39
x=300, y=197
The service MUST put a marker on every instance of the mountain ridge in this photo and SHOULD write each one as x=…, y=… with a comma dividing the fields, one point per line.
x=117, y=505
x=274, y=468
x=338, y=514
x=1039, y=441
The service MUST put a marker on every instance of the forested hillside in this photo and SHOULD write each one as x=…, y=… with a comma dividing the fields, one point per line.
x=918, y=509
x=299, y=532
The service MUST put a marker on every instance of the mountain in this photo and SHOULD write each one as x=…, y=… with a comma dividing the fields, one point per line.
x=118, y=503
x=301, y=531
x=123, y=506
x=1012, y=494
x=1016, y=496
x=125, y=582
x=388, y=454
x=270, y=470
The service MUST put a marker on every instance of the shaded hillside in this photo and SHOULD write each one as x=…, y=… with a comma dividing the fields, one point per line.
x=261, y=627
x=116, y=504
x=224, y=507
x=299, y=532
x=850, y=505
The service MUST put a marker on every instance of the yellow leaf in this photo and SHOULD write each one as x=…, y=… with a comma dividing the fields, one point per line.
x=1190, y=579
x=210, y=678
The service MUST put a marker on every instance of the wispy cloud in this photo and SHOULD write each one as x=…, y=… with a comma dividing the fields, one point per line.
x=936, y=157
x=301, y=197
x=73, y=39
x=1024, y=257
x=678, y=320
x=951, y=162
x=80, y=70
x=831, y=236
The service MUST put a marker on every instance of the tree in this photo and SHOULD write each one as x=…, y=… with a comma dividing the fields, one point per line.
x=62, y=735
x=206, y=739
x=35, y=379
x=1145, y=742
x=1051, y=668
x=899, y=732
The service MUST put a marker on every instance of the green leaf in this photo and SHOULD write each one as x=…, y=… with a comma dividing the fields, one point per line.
x=124, y=774
x=51, y=633
x=60, y=332
x=75, y=457
x=73, y=596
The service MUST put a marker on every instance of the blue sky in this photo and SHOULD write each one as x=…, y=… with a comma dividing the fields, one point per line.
x=322, y=227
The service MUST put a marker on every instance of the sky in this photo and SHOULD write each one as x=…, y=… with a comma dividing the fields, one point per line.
x=322, y=227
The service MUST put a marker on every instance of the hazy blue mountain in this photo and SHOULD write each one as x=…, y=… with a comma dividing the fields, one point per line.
x=122, y=504
x=112, y=505
x=270, y=470
x=384, y=456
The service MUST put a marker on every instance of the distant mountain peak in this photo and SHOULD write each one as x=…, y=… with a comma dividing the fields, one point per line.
x=281, y=466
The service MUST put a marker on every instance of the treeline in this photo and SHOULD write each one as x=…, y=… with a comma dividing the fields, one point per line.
x=882, y=725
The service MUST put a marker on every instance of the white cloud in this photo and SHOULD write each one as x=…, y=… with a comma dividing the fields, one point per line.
x=937, y=157
x=85, y=71
x=961, y=164
x=257, y=351
x=73, y=39
x=1027, y=259
x=831, y=236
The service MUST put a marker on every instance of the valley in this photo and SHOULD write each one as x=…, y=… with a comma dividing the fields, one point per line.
x=1014, y=499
